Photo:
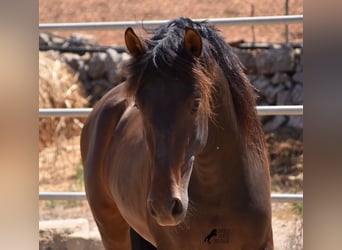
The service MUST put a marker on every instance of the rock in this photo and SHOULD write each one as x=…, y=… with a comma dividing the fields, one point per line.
x=57, y=40
x=73, y=60
x=83, y=73
x=247, y=59
x=68, y=234
x=99, y=88
x=121, y=73
x=113, y=76
x=295, y=121
x=44, y=39
x=97, y=65
x=275, y=60
x=271, y=91
x=299, y=59
x=112, y=63
x=288, y=84
x=279, y=78
x=252, y=77
x=87, y=84
x=84, y=241
x=274, y=123
x=125, y=56
x=113, y=58
x=261, y=83
x=299, y=65
x=81, y=40
x=51, y=232
x=283, y=97
x=297, y=95
x=298, y=77
x=86, y=57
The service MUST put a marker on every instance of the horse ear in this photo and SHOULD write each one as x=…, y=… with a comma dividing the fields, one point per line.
x=134, y=44
x=193, y=41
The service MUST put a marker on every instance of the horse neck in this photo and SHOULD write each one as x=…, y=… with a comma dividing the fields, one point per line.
x=223, y=158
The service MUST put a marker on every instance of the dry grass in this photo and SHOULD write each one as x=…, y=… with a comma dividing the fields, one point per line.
x=58, y=88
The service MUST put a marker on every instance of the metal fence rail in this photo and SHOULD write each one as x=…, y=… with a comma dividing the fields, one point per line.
x=83, y=112
x=70, y=112
x=280, y=110
x=215, y=21
x=82, y=196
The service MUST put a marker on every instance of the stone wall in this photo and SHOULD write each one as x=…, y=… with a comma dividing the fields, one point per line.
x=277, y=74
x=275, y=71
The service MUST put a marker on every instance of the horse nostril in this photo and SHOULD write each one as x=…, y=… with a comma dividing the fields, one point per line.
x=177, y=207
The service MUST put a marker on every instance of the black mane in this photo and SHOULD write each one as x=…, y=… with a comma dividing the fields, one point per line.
x=166, y=48
x=168, y=39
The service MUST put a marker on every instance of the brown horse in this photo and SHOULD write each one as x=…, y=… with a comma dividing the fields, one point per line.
x=177, y=151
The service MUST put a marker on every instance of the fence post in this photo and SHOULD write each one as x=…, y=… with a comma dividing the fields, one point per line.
x=286, y=25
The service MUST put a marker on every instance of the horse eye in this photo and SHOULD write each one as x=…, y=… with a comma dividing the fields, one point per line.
x=195, y=105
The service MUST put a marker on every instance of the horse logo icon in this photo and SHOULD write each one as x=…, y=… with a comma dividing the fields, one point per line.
x=213, y=233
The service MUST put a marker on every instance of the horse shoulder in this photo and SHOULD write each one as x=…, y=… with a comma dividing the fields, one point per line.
x=95, y=135
x=95, y=138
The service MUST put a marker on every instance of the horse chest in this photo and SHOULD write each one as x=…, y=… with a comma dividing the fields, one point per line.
x=211, y=229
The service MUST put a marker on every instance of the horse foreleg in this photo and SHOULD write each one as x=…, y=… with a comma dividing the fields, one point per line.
x=139, y=243
x=269, y=245
x=114, y=232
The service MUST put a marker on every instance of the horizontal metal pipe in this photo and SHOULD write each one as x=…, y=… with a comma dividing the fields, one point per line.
x=287, y=197
x=83, y=112
x=82, y=196
x=214, y=21
x=62, y=196
x=69, y=112
x=280, y=110
x=82, y=50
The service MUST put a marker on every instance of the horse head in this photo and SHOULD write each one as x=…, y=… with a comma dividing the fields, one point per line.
x=169, y=93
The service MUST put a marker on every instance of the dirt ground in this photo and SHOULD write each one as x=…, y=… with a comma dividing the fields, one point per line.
x=134, y=10
x=60, y=167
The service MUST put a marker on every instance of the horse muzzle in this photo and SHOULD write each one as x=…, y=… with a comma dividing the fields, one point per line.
x=167, y=212
x=168, y=198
